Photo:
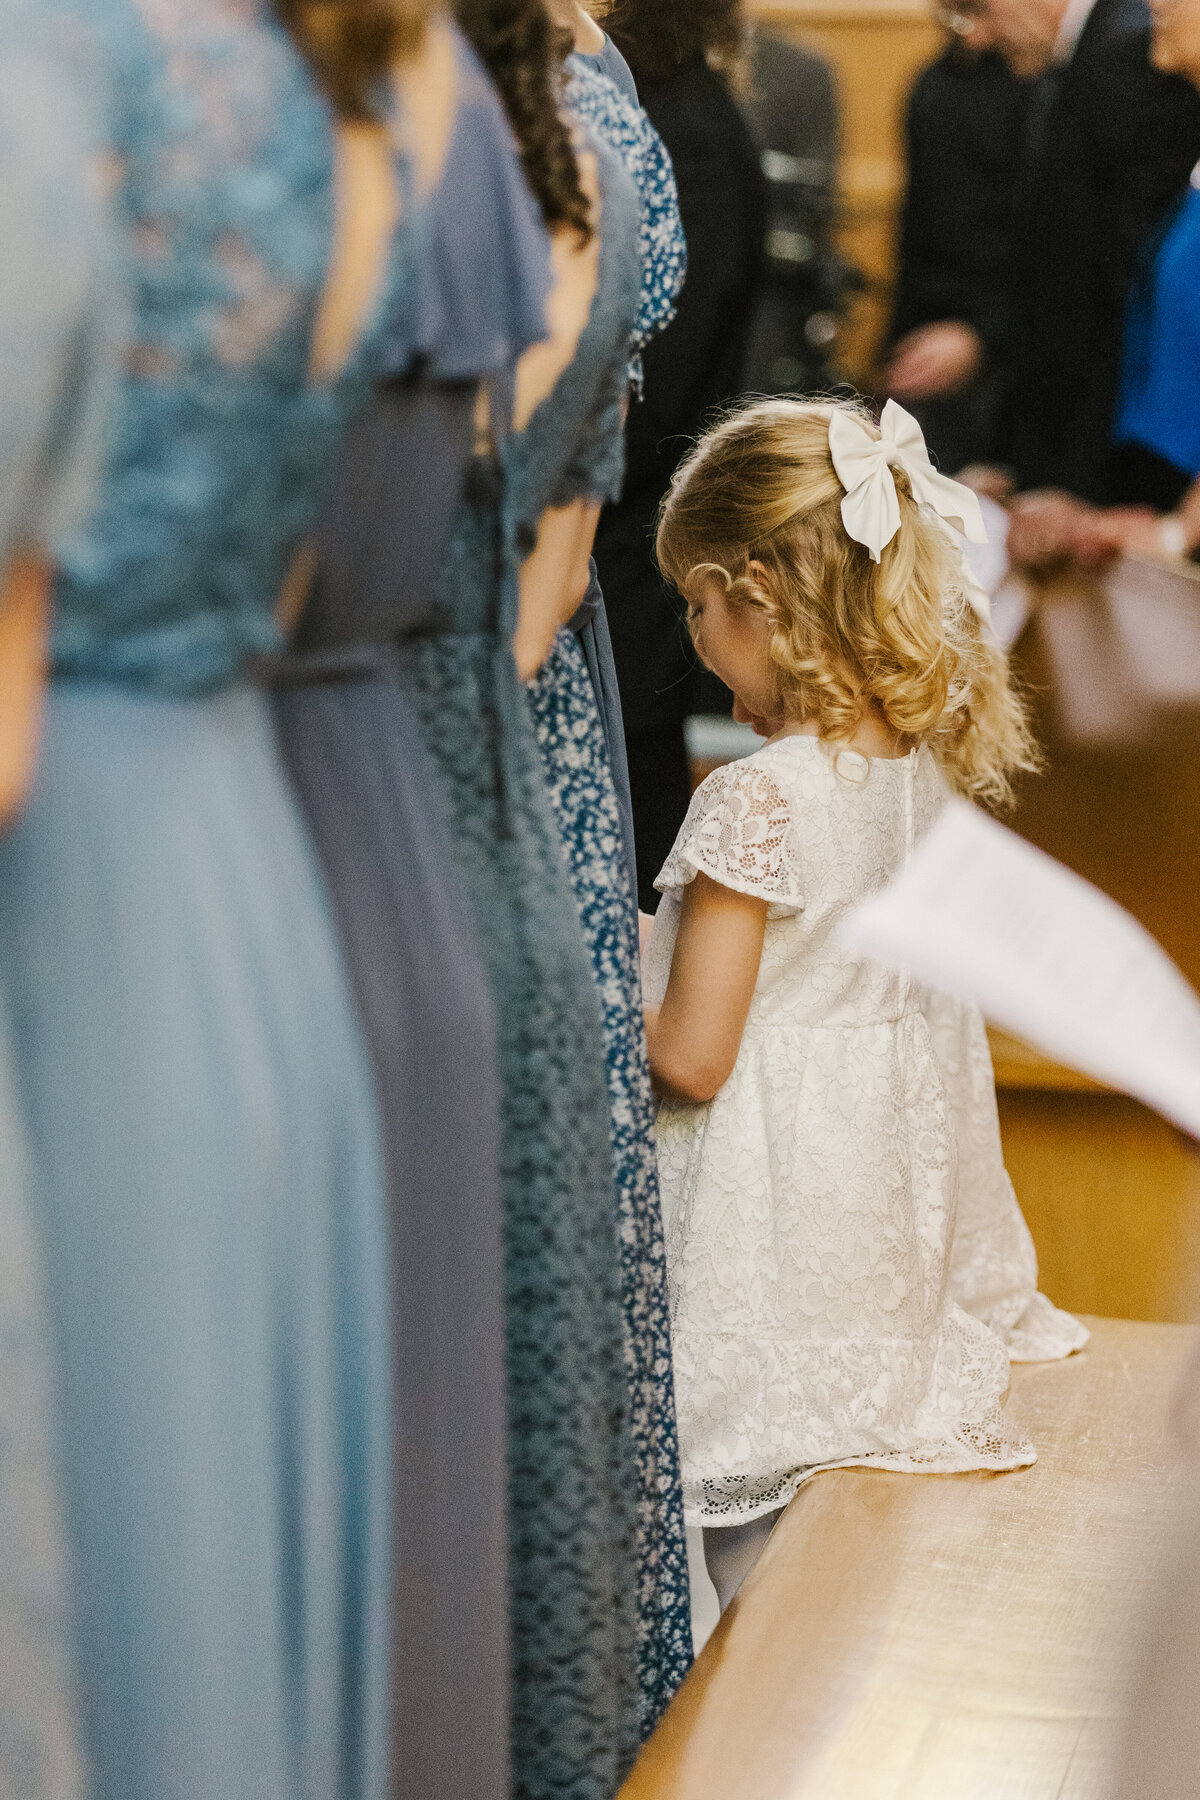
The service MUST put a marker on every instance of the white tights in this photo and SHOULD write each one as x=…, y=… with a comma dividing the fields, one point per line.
x=731, y=1551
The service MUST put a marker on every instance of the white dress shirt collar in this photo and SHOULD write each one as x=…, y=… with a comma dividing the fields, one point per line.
x=1071, y=30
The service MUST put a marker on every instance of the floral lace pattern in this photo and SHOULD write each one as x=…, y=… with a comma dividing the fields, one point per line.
x=599, y=103
x=738, y=830
x=571, y=1495
x=850, y=1273
x=571, y=741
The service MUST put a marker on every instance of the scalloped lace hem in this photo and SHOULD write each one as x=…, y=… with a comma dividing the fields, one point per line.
x=991, y=1443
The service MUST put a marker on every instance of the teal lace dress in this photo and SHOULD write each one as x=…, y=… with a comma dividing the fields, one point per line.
x=208, y=1186
x=573, y=1484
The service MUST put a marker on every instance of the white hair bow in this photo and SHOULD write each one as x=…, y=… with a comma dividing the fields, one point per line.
x=864, y=464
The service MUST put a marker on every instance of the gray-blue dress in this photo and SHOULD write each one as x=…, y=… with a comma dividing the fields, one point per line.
x=373, y=798
x=56, y=371
x=208, y=1181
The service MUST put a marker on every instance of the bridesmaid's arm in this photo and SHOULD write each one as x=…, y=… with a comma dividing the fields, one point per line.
x=695, y=1035
x=554, y=579
x=24, y=631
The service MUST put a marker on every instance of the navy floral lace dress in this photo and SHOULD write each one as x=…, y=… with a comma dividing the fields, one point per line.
x=573, y=1484
x=579, y=776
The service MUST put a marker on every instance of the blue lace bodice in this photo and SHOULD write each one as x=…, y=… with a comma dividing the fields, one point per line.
x=220, y=446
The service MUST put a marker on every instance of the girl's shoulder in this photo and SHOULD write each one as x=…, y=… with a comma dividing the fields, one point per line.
x=740, y=830
x=774, y=823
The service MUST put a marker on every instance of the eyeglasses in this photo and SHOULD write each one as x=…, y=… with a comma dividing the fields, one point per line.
x=957, y=19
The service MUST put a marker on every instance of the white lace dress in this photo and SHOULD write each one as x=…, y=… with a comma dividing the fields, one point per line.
x=850, y=1272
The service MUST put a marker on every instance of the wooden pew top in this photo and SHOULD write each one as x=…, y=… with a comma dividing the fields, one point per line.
x=963, y=1637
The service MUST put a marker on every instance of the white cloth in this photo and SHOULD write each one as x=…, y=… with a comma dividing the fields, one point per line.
x=1066, y=42
x=850, y=1273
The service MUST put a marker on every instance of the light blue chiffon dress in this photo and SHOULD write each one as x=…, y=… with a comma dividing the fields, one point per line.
x=57, y=319
x=208, y=1183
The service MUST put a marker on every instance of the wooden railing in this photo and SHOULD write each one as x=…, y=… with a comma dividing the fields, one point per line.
x=940, y=1637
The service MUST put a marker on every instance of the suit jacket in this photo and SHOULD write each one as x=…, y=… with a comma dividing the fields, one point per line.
x=1110, y=142
x=958, y=233
x=691, y=368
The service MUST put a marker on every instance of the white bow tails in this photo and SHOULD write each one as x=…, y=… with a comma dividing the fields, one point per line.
x=864, y=464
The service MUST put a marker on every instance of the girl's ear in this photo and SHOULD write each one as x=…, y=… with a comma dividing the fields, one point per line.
x=764, y=582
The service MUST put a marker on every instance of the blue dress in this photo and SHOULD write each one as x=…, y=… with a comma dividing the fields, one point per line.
x=1159, y=407
x=572, y=1483
x=373, y=798
x=578, y=767
x=603, y=96
x=209, y=1188
x=604, y=105
x=56, y=299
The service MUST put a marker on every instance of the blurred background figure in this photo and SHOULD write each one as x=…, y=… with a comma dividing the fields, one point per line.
x=951, y=323
x=1106, y=142
x=1154, y=467
x=791, y=100
x=1156, y=462
x=685, y=57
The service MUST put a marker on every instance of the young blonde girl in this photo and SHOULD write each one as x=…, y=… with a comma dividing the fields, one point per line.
x=850, y=1272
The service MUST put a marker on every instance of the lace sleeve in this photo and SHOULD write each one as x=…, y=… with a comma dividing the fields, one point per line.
x=739, y=831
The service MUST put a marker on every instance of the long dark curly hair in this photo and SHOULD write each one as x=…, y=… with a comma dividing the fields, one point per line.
x=351, y=44
x=656, y=36
x=523, y=51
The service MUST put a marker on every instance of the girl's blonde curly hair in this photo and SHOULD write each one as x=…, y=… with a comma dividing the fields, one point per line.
x=761, y=487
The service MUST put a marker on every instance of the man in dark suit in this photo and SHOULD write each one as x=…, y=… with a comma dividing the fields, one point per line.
x=1108, y=142
x=958, y=236
x=692, y=368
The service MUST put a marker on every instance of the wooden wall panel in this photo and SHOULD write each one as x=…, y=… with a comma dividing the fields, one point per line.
x=1112, y=1196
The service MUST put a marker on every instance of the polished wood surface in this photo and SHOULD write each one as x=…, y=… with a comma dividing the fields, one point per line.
x=1111, y=1194
x=964, y=1637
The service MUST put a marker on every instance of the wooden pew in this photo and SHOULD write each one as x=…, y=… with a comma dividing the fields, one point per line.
x=963, y=1637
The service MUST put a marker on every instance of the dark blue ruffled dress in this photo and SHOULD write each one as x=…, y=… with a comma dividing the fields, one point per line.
x=374, y=800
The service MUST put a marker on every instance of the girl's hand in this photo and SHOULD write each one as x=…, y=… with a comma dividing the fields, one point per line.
x=695, y=1035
